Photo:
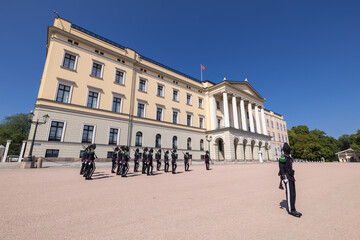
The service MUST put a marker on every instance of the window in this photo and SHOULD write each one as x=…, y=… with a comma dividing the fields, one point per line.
x=274, y=137
x=113, y=136
x=218, y=105
x=141, y=110
x=286, y=140
x=279, y=137
x=201, y=103
x=188, y=144
x=269, y=133
x=175, y=117
x=277, y=125
x=97, y=70
x=81, y=153
x=282, y=138
x=56, y=131
x=188, y=120
x=218, y=123
x=160, y=90
x=69, y=61
x=142, y=85
x=175, y=95
x=116, y=107
x=158, y=141
x=92, y=99
x=280, y=126
x=119, y=77
x=188, y=99
x=276, y=151
x=88, y=133
x=159, y=114
x=272, y=124
x=138, y=139
x=201, y=122
x=267, y=122
x=52, y=153
x=284, y=128
x=63, y=93
x=109, y=154
x=174, y=142
x=201, y=144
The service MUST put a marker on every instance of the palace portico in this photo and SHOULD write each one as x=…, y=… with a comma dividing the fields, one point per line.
x=237, y=123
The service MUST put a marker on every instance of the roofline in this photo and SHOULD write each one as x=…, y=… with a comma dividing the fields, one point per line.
x=273, y=112
x=347, y=150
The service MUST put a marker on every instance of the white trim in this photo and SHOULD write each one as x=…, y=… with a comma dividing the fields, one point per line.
x=202, y=117
x=146, y=84
x=288, y=194
x=178, y=93
x=82, y=132
x=162, y=112
x=177, y=117
x=102, y=68
x=188, y=94
x=124, y=74
x=66, y=83
x=97, y=90
x=202, y=102
x=49, y=128
x=117, y=95
x=76, y=59
x=142, y=102
x=118, y=135
x=163, y=90
x=191, y=119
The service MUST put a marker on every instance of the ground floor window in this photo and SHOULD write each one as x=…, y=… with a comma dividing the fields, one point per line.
x=52, y=153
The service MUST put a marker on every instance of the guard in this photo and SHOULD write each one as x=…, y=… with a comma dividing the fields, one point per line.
x=137, y=156
x=84, y=158
x=186, y=161
x=120, y=160
x=158, y=160
x=287, y=175
x=90, y=164
x=113, y=159
x=174, y=157
x=125, y=162
x=207, y=160
x=166, y=161
x=149, y=162
x=144, y=160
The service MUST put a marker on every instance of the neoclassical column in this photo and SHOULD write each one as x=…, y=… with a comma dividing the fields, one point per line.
x=235, y=113
x=263, y=121
x=251, y=118
x=257, y=119
x=243, y=117
x=213, y=112
x=226, y=110
x=6, y=150
x=22, y=151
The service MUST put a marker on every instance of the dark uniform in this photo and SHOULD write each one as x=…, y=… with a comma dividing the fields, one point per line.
x=137, y=156
x=166, y=161
x=174, y=157
x=287, y=175
x=113, y=159
x=90, y=163
x=120, y=161
x=84, y=158
x=125, y=162
x=149, y=162
x=158, y=160
x=186, y=161
x=144, y=160
x=207, y=160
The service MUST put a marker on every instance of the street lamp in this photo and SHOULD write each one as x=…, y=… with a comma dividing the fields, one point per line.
x=208, y=139
x=37, y=122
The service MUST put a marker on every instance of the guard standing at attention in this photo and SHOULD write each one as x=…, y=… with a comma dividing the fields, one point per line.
x=186, y=161
x=144, y=160
x=137, y=156
x=149, y=162
x=84, y=158
x=207, y=160
x=125, y=162
x=287, y=175
x=166, y=161
x=174, y=157
x=120, y=160
x=158, y=160
x=113, y=159
x=90, y=164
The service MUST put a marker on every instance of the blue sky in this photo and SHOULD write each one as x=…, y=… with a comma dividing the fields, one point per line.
x=302, y=56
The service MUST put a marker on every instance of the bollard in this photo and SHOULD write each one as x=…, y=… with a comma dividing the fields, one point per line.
x=39, y=162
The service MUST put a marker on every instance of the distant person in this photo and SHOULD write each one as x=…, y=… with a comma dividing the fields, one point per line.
x=90, y=163
x=113, y=159
x=287, y=175
x=174, y=157
x=84, y=158
x=186, y=161
x=158, y=160
x=166, y=161
x=149, y=162
x=137, y=156
x=144, y=160
x=207, y=160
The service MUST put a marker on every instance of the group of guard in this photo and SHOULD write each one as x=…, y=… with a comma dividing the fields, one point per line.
x=121, y=158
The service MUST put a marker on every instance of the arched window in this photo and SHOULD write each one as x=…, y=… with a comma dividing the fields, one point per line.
x=158, y=141
x=138, y=139
x=188, y=144
x=174, y=142
x=201, y=144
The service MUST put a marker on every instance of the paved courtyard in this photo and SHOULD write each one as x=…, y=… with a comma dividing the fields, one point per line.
x=239, y=201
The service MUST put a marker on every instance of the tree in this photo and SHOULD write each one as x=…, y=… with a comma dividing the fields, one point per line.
x=15, y=128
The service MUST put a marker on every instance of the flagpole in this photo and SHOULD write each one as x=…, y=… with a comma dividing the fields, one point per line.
x=201, y=71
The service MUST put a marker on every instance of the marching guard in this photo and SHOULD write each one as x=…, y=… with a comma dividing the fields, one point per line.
x=137, y=156
x=174, y=157
x=186, y=161
x=158, y=160
x=90, y=164
x=149, y=162
x=120, y=160
x=144, y=160
x=84, y=158
x=113, y=159
x=166, y=161
x=125, y=162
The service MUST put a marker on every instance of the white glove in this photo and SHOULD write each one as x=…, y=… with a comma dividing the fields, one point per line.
x=286, y=180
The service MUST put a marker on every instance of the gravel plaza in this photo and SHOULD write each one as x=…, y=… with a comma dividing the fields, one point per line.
x=234, y=201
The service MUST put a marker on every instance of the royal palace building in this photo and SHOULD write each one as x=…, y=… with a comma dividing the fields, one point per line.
x=98, y=91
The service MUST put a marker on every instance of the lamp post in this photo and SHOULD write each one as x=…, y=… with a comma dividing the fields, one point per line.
x=37, y=122
x=208, y=139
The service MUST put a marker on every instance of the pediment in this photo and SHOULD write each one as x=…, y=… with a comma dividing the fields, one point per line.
x=245, y=87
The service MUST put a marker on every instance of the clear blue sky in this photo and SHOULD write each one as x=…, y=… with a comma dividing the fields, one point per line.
x=302, y=56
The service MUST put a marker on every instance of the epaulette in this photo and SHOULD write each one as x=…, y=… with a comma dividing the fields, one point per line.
x=282, y=159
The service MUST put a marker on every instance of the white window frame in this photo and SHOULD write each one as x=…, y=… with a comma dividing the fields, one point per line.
x=217, y=120
x=203, y=120
x=67, y=83
x=162, y=112
x=92, y=89
x=216, y=103
x=49, y=127
x=178, y=93
x=94, y=132
x=163, y=90
x=118, y=137
x=202, y=103
x=137, y=107
x=124, y=74
x=146, y=85
x=191, y=119
x=178, y=115
x=102, y=69
x=117, y=95
x=76, y=59
x=188, y=94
